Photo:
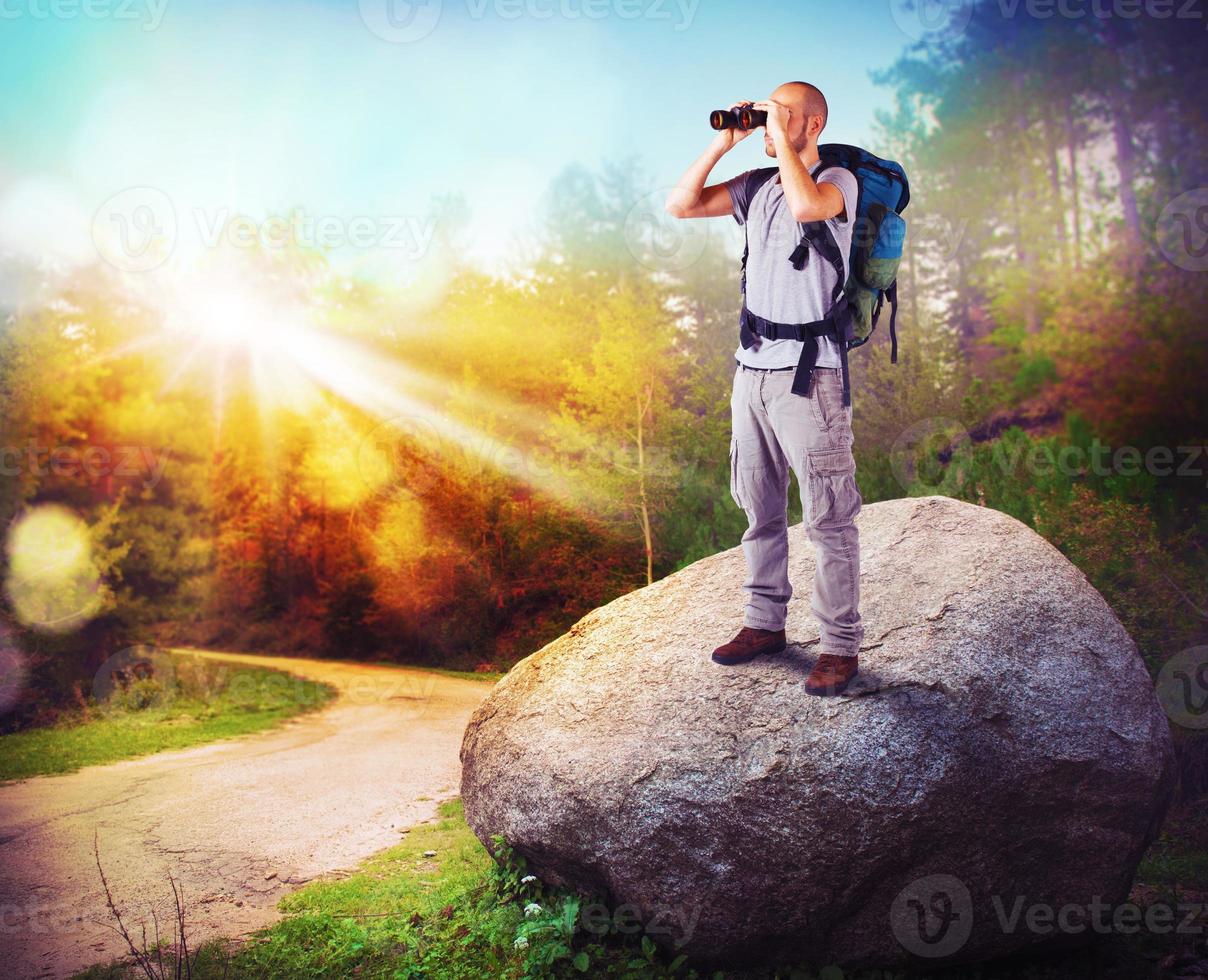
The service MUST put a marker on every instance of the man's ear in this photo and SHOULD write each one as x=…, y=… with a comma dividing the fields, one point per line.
x=813, y=125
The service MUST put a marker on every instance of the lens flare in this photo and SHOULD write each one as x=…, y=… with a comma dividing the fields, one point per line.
x=53, y=583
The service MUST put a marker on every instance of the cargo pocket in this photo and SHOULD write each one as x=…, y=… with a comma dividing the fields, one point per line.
x=748, y=471
x=834, y=497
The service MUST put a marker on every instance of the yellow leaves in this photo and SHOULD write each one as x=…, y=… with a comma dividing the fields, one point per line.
x=342, y=467
x=414, y=567
x=400, y=537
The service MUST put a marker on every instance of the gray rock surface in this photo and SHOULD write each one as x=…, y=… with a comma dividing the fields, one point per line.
x=1001, y=751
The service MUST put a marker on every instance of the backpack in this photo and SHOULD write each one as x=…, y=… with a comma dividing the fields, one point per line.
x=876, y=253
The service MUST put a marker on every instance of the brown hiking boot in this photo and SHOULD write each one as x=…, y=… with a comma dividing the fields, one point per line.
x=749, y=644
x=831, y=674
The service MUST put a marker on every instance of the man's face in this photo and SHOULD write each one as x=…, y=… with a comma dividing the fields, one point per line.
x=798, y=123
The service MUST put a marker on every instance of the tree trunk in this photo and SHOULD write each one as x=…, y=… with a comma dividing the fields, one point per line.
x=647, y=537
x=1050, y=139
x=1031, y=315
x=1126, y=164
x=1024, y=210
x=1071, y=143
x=1166, y=162
x=1118, y=101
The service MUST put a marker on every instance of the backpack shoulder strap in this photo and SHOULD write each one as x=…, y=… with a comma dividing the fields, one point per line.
x=818, y=236
x=755, y=180
x=818, y=233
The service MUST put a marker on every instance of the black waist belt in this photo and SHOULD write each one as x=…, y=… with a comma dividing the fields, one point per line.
x=833, y=327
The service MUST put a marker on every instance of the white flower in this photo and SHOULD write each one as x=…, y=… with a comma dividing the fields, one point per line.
x=521, y=942
x=531, y=909
x=528, y=879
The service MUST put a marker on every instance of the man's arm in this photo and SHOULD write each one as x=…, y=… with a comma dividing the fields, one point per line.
x=808, y=200
x=690, y=198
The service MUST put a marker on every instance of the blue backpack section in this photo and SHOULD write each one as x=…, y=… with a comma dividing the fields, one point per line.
x=878, y=237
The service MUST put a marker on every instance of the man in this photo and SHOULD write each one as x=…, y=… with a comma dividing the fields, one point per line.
x=775, y=429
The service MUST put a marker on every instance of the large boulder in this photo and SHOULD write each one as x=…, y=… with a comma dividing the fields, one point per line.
x=1001, y=753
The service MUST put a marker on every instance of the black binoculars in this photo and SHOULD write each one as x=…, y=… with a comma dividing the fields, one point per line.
x=744, y=118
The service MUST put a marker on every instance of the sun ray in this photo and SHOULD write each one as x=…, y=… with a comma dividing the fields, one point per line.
x=271, y=348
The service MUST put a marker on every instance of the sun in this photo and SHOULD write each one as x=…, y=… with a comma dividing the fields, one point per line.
x=240, y=333
x=225, y=313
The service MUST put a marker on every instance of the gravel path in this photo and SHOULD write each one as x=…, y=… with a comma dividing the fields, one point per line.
x=238, y=823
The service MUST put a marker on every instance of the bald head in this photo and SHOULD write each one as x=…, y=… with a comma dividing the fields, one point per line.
x=804, y=98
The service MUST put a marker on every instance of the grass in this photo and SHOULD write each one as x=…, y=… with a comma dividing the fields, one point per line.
x=409, y=913
x=471, y=675
x=466, y=675
x=1176, y=866
x=200, y=701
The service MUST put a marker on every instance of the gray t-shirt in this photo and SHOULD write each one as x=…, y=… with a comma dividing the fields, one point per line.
x=775, y=290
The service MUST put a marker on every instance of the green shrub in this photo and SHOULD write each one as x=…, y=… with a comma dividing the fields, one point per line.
x=137, y=695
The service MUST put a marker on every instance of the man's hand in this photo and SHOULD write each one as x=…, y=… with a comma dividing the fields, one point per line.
x=690, y=198
x=778, y=120
x=727, y=139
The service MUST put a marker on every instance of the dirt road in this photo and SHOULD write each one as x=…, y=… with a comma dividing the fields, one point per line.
x=238, y=823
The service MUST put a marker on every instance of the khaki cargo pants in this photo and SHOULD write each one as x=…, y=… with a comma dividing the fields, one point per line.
x=773, y=430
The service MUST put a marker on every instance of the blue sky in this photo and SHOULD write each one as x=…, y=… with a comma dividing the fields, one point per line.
x=259, y=107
